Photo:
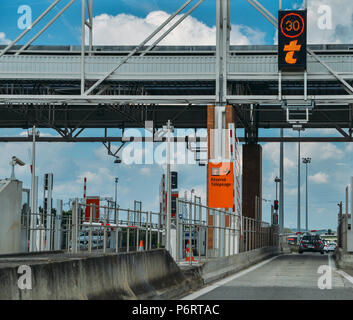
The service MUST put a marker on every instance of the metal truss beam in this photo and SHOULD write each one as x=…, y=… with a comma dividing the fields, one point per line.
x=123, y=99
x=172, y=99
x=30, y=28
x=138, y=48
x=164, y=139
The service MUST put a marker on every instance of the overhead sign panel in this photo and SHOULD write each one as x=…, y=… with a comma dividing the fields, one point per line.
x=220, y=185
x=292, y=40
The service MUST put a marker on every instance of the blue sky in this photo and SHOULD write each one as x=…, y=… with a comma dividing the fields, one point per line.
x=331, y=164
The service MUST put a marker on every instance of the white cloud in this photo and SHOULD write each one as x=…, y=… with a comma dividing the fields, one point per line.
x=145, y=171
x=342, y=21
x=124, y=29
x=321, y=151
x=3, y=39
x=320, y=177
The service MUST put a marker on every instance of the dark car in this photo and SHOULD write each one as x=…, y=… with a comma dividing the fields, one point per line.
x=311, y=243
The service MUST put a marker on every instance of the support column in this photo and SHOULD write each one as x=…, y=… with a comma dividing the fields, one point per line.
x=211, y=126
x=217, y=115
x=252, y=180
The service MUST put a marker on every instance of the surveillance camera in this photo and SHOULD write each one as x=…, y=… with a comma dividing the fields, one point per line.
x=17, y=161
x=117, y=160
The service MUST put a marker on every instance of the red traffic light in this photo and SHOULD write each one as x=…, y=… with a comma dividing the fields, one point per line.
x=276, y=205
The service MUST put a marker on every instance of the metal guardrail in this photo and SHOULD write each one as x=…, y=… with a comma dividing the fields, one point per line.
x=207, y=232
x=218, y=233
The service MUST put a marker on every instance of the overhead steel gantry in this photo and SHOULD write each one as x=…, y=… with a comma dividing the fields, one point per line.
x=70, y=89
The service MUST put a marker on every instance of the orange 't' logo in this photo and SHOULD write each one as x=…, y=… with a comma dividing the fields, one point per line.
x=292, y=47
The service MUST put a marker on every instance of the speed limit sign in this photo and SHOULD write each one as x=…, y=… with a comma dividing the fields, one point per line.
x=292, y=40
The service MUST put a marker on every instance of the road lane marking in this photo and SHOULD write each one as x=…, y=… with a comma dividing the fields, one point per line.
x=345, y=275
x=220, y=283
x=331, y=265
x=340, y=272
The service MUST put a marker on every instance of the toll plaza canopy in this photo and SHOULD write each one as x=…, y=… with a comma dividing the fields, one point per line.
x=42, y=87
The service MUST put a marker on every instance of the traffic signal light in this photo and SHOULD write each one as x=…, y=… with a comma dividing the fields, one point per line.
x=276, y=205
x=174, y=179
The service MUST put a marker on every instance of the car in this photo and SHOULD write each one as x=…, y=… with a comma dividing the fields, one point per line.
x=311, y=243
x=330, y=247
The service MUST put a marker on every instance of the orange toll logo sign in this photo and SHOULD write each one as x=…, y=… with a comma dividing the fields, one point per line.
x=292, y=40
x=220, y=185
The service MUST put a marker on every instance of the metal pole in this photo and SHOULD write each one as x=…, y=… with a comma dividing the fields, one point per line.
x=90, y=230
x=33, y=213
x=158, y=228
x=346, y=220
x=49, y=211
x=116, y=195
x=83, y=27
x=351, y=203
x=74, y=226
x=306, y=196
x=177, y=255
x=281, y=186
x=206, y=242
x=105, y=230
x=117, y=231
x=298, y=209
x=90, y=27
x=58, y=220
x=190, y=233
x=168, y=190
x=150, y=236
x=128, y=231
x=199, y=232
x=146, y=234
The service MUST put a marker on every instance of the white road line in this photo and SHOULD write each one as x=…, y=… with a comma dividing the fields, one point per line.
x=346, y=275
x=331, y=265
x=214, y=286
x=340, y=272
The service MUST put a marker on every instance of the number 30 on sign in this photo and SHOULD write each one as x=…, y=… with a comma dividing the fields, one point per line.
x=292, y=40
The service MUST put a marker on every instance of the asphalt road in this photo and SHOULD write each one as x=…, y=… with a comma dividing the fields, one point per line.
x=286, y=277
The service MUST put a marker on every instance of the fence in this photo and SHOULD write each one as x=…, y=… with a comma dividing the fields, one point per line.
x=224, y=234
x=197, y=231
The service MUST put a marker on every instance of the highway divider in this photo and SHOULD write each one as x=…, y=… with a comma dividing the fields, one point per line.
x=137, y=275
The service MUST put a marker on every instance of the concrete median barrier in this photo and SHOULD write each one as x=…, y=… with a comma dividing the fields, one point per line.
x=343, y=259
x=218, y=268
x=138, y=275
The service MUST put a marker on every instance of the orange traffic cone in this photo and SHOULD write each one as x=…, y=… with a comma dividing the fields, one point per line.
x=141, y=246
x=189, y=254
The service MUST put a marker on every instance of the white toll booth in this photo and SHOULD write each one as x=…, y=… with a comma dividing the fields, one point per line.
x=10, y=216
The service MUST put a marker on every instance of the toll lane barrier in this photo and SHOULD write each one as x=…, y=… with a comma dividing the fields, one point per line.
x=137, y=275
